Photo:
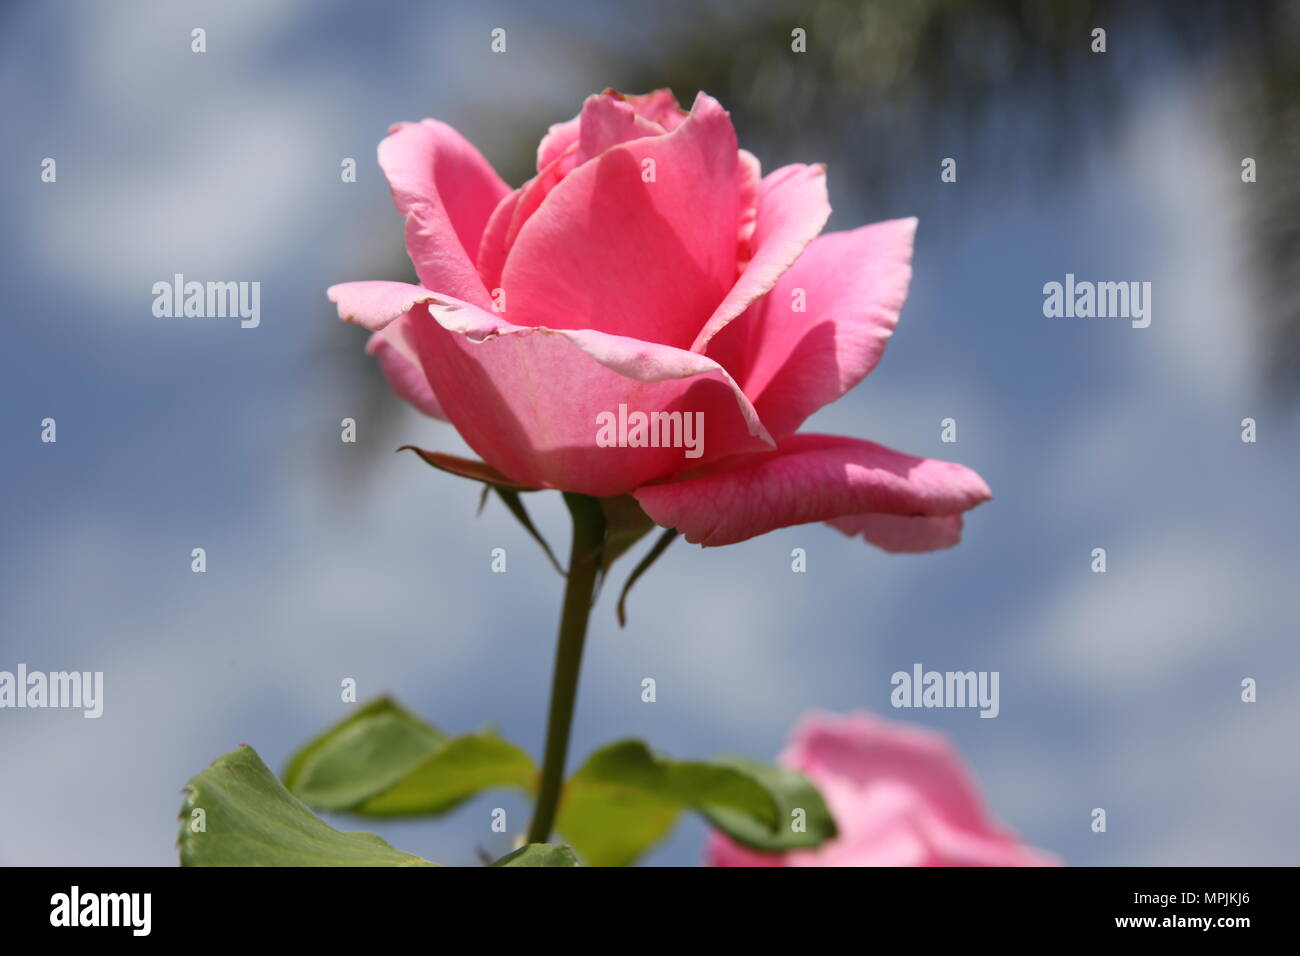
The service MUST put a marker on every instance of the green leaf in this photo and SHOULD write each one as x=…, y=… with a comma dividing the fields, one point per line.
x=610, y=824
x=384, y=762
x=250, y=819
x=539, y=854
x=651, y=557
x=800, y=806
x=364, y=754
x=465, y=766
x=625, y=798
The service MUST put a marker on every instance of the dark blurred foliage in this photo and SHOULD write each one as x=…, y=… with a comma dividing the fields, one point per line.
x=888, y=89
x=1264, y=104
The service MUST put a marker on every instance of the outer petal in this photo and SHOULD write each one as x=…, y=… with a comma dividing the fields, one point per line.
x=808, y=478
x=792, y=209
x=447, y=191
x=395, y=350
x=527, y=399
x=901, y=534
x=853, y=286
x=373, y=304
x=649, y=260
x=386, y=309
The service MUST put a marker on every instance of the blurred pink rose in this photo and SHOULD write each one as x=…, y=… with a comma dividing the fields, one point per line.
x=900, y=796
x=650, y=265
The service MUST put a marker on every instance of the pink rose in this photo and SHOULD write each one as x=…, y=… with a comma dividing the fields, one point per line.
x=650, y=266
x=900, y=796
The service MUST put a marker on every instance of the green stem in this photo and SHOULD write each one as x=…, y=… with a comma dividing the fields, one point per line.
x=584, y=563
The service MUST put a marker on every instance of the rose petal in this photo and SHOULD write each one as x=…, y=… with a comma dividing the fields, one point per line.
x=527, y=399
x=719, y=851
x=394, y=349
x=900, y=796
x=657, y=107
x=649, y=260
x=493, y=246
x=808, y=478
x=559, y=138
x=792, y=209
x=862, y=749
x=607, y=121
x=538, y=188
x=373, y=303
x=447, y=192
x=902, y=534
x=853, y=286
x=751, y=184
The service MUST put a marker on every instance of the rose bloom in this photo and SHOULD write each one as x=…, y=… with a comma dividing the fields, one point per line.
x=649, y=264
x=900, y=796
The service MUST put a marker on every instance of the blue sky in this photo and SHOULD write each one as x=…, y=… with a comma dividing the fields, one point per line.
x=329, y=561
